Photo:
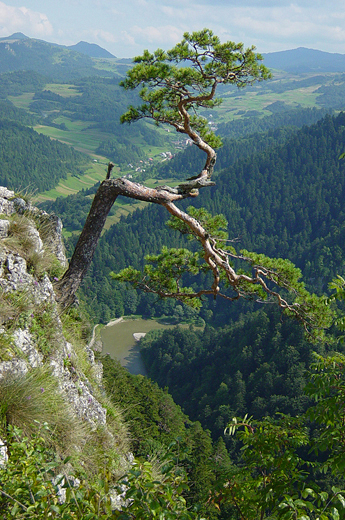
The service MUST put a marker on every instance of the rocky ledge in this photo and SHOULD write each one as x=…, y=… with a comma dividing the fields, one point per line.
x=29, y=235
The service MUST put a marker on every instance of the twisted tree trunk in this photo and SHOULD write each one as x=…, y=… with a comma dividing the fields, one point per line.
x=102, y=203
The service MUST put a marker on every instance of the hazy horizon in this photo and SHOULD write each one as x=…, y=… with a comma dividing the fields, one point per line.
x=125, y=29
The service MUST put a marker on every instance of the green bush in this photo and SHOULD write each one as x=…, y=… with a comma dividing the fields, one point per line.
x=33, y=477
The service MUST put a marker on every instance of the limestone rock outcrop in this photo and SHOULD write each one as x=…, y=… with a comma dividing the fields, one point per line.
x=27, y=300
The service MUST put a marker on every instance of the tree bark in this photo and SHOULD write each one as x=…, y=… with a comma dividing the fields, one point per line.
x=102, y=203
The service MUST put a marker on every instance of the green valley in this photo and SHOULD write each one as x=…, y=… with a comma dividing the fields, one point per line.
x=240, y=414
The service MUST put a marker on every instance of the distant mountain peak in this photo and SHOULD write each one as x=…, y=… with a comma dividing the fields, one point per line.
x=16, y=36
x=19, y=36
x=91, y=49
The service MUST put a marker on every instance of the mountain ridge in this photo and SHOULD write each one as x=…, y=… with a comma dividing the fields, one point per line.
x=59, y=63
x=91, y=49
x=305, y=60
x=298, y=60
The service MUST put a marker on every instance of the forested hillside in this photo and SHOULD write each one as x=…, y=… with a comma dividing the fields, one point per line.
x=100, y=101
x=73, y=209
x=8, y=112
x=158, y=426
x=305, y=60
x=288, y=199
x=281, y=116
x=242, y=138
x=19, y=82
x=33, y=161
x=256, y=365
x=57, y=62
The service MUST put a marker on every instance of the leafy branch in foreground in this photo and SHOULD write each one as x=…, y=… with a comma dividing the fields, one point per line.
x=338, y=287
x=263, y=279
x=36, y=485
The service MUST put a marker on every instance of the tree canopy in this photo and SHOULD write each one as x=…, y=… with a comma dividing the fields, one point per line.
x=186, y=77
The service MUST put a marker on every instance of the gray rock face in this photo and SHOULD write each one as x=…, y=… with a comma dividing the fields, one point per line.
x=53, y=241
x=20, y=348
x=16, y=280
x=3, y=453
x=6, y=202
x=4, y=226
x=76, y=388
x=20, y=205
x=15, y=366
x=14, y=272
x=24, y=342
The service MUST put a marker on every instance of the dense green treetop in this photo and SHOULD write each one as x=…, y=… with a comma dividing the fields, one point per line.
x=187, y=76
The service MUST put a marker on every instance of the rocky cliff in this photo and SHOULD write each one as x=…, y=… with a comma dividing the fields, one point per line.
x=47, y=372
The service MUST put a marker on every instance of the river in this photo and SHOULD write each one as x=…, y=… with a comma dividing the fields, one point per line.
x=118, y=340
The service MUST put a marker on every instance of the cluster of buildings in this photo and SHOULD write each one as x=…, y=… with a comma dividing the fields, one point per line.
x=164, y=155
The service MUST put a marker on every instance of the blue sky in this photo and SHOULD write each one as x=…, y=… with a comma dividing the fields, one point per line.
x=126, y=27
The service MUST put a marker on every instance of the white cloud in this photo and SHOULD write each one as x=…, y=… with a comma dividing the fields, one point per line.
x=281, y=27
x=21, y=19
x=269, y=24
x=125, y=28
x=103, y=36
x=127, y=39
x=160, y=35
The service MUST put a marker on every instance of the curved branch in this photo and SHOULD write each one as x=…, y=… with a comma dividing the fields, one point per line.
x=218, y=264
x=103, y=201
x=196, y=138
x=169, y=92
